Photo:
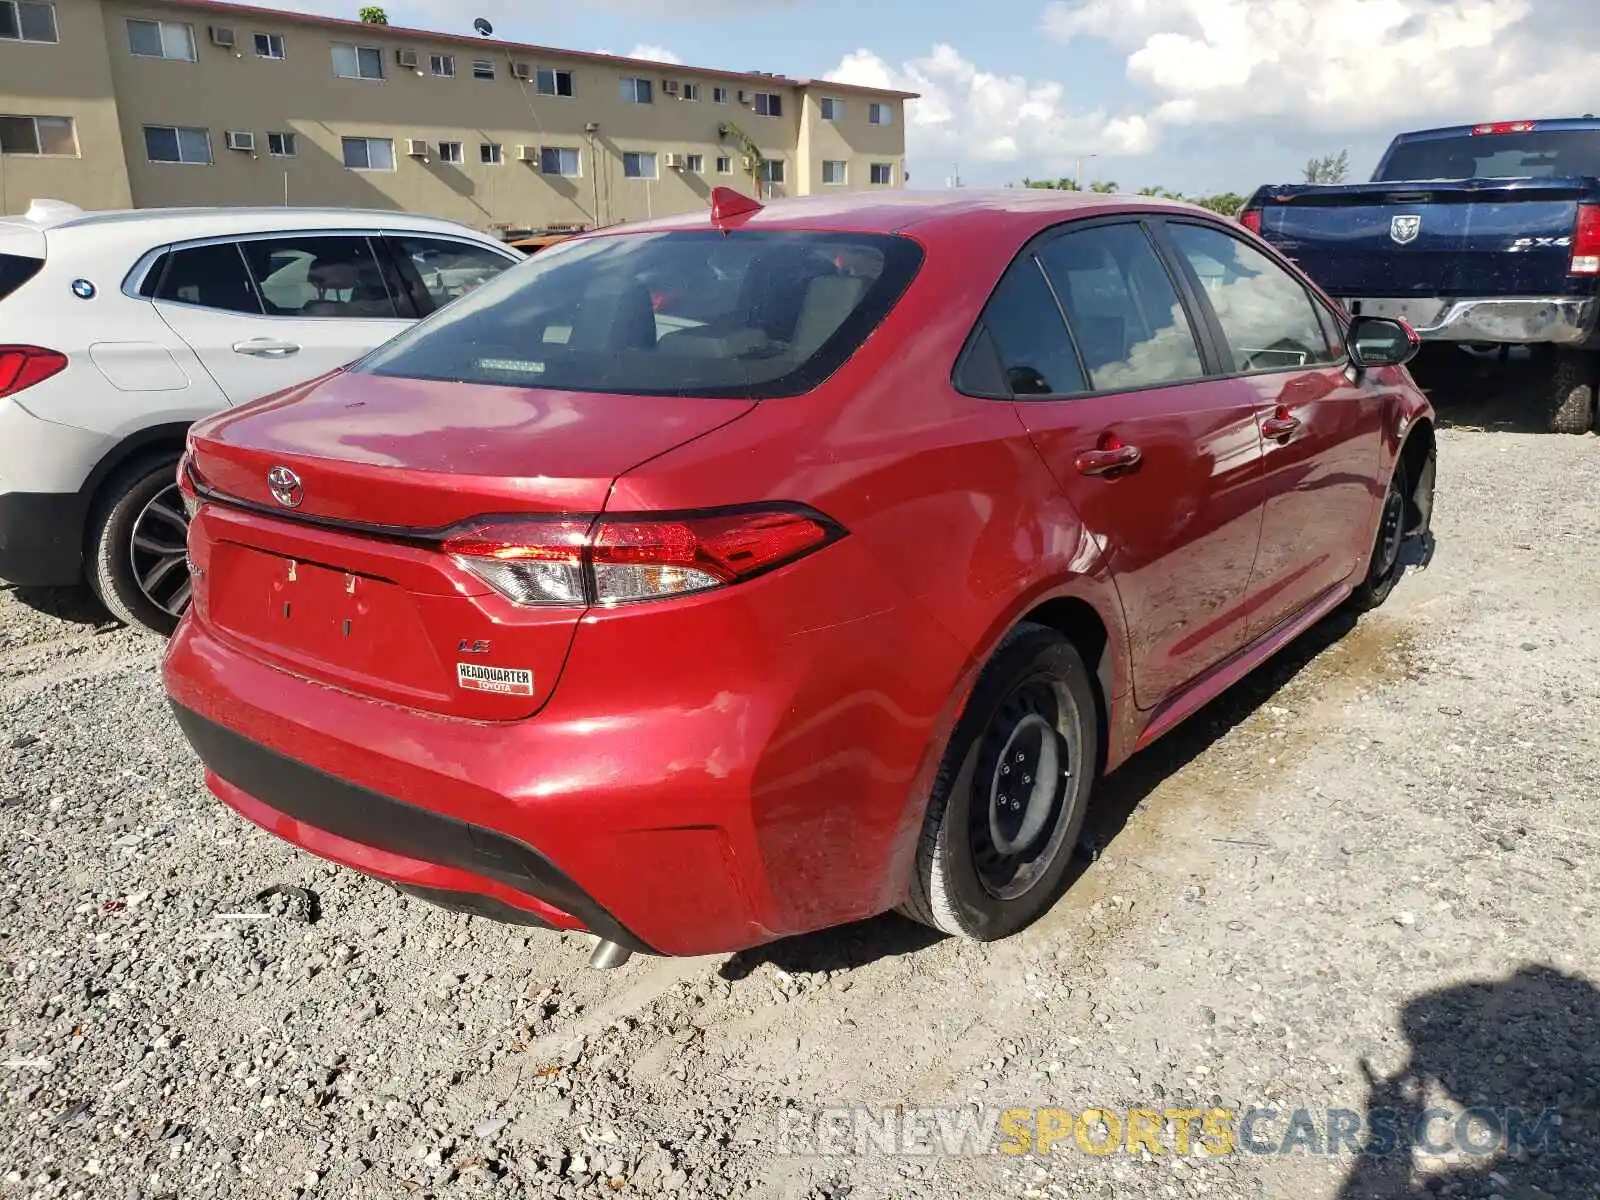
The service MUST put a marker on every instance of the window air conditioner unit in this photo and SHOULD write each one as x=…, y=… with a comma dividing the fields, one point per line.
x=674, y=160
x=670, y=87
x=744, y=98
x=406, y=58
x=527, y=154
x=222, y=35
x=417, y=147
x=522, y=70
x=242, y=139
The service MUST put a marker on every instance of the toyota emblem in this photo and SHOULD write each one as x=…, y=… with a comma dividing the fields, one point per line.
x=285, y=486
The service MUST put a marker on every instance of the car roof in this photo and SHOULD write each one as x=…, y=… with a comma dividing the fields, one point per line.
x=929, y=212
x=156, y=225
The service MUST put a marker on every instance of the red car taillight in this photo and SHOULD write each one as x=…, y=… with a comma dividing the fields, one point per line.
x=622, y=559
x=23, y=366
x=1251, y=219
x=1586, y=241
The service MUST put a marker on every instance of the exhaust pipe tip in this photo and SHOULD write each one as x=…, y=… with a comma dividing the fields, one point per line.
x=608, y=956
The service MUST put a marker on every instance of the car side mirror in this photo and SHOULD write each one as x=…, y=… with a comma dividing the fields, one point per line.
x=1381, y=342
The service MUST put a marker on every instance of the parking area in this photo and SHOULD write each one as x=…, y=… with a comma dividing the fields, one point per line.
x=1364, y=879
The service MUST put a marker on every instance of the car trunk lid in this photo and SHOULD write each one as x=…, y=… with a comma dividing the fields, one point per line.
x=341, y=578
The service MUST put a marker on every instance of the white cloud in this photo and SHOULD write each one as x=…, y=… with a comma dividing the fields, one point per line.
x=1345, y=65
x=653, y=53
x=970, y=116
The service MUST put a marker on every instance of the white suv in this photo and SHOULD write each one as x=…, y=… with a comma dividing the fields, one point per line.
x=119, y=329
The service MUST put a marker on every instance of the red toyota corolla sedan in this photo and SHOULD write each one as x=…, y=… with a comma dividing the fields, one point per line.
x=745, y=573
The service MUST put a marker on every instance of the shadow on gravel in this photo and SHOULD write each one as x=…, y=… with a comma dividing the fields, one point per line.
x=840, y=949
x=1483, y=393
x=75, y=605
x=1524, y=1054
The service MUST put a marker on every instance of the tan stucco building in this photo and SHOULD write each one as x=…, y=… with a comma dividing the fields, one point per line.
x=112, y=103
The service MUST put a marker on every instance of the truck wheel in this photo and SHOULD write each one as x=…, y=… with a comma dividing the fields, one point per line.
x=1571, y=391
x=137, y=556
x=1011, y=792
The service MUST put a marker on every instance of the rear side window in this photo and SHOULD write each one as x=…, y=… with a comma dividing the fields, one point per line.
x=1024, y=327
x=1132, y=330
x=16, y=270
x=743, y=314
x=209, y=276
x=305, y=275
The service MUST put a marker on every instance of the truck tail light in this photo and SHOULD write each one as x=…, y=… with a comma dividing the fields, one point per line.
x=1497, y=127
x=1586, y=241
x=577, y=561
x=1250, y=218
x=23, y=366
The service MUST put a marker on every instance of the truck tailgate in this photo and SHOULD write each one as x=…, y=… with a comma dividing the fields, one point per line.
x=1437, y=238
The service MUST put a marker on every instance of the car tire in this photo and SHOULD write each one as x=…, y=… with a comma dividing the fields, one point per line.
x=1571, y=391
x=1383, y=568
x=137, y=499
x=996, y=845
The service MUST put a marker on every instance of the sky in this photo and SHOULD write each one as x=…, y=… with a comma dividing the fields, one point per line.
x=1200, y=96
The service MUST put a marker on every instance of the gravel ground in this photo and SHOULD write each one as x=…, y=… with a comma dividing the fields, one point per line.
x=1364, y=879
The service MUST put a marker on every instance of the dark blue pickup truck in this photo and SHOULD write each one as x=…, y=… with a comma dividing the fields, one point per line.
x=1477, y=234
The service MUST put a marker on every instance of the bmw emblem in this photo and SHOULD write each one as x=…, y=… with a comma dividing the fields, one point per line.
x=83, y=289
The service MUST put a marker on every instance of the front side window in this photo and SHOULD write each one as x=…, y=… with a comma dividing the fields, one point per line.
x=550, y=82
x=368, y=154
x=1131, y=329
x=317, y=275
x=54, y=136
x=680, y=313
x=639, y=164
x=558, y=160
x=28, y=21
x=177, y=144
x=636, y=91
x=357, y=62
x=161, y=39
x=1267, y=316
x=269, y=45
x=449, y=270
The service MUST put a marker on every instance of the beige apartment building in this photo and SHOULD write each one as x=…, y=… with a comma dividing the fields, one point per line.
x=118, y=103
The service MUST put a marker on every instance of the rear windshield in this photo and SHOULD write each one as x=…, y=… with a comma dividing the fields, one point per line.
x=16, y=270
x=676, y=313
x=1556, y=154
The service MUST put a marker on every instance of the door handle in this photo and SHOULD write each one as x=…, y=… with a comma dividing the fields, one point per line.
x=1281, y=424
x=266, y=347
x=1103, y=462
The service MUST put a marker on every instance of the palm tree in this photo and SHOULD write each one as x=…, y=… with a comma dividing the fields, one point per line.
x=1102, y=186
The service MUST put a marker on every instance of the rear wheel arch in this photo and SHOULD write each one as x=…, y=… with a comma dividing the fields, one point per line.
x=1081, y=624
x=155, y=441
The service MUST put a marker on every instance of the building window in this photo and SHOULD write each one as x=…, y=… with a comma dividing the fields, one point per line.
x=772, y=170
x=883, y=173
x=54, y=136
x=834, y=171
x=177, y=144
x=161, y=39
x=490, y=154
x=450, y=152
x=691, y=91
x=483, y=68
x=28, y=21
x=639, y=164
x=724, y=165
x=558, y=160
x=695, y=164
x=368, y=154
x=719, y=95
x=832, y=110
x=880, y=114
x=442, y=65
x=357, y=62
x=550, y=82
x=635, y=90
x=269, y=45
x=769, y=104
x=281, y=145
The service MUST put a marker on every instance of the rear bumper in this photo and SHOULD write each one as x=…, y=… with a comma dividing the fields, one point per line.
x=707, y=776
x=41, y=538
x=1553, y=320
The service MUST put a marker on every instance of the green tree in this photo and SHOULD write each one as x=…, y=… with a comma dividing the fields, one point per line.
x=1054, y=185
x=1330, y=168
x=1104, y=187
x=373, y=15
x=1227, y=204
